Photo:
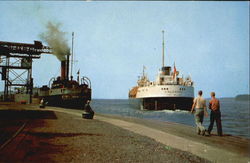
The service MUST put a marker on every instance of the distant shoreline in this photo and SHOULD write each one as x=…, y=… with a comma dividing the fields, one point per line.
x=243, y=97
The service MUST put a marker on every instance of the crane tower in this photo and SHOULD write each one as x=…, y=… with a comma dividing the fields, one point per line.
x=16, y=65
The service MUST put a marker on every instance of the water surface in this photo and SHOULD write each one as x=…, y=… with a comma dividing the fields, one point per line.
x=235, y=114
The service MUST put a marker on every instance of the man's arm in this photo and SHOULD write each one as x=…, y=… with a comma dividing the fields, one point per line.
x=210, y=105
x=194, y=103
x=205, y=109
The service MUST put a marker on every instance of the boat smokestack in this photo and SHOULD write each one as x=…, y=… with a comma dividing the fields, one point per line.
x=166, y=70
x=63, y=70
x=67, y=68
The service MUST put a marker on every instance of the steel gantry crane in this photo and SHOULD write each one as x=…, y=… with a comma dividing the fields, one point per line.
x=16, y=65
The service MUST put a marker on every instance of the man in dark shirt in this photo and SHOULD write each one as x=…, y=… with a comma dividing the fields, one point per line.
x=214, y=106
x=88, y=110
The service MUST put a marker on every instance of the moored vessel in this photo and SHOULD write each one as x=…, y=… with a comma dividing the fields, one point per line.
x=64, y=91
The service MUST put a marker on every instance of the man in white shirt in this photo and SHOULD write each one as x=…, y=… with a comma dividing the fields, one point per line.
x=200, y=110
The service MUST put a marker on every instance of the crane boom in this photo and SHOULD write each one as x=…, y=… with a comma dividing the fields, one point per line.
x=22, y=49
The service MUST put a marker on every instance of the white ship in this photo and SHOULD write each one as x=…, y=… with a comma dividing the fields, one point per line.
x=168, y=91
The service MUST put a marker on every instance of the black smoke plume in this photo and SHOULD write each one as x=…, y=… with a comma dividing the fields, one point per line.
x=55, y=38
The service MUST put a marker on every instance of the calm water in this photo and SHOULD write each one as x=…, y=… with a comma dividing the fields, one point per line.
x=235, y=114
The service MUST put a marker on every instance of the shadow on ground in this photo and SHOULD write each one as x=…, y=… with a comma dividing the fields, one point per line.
x=26, y=114
x=53, y=134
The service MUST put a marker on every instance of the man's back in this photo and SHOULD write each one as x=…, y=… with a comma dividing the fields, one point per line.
x=200, y=102
x=214, y=104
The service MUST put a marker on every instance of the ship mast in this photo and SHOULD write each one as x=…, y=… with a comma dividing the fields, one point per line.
x=163, y=48
x=143, y=71
x=72, y=54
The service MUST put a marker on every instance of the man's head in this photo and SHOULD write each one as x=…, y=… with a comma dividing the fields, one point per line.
x=88, y=101
x=212, y=94
x=200, y=93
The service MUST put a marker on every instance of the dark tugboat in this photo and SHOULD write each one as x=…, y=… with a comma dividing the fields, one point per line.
x=65, y=92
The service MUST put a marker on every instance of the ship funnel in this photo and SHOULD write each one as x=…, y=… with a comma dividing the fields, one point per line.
x=166, y=70
x=63, y=70
x=67, y=68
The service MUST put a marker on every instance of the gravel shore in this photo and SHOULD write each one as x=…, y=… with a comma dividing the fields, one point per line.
x=61, y=137
x=31, y=134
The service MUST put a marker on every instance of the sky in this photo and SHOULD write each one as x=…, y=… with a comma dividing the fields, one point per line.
x=114, y=40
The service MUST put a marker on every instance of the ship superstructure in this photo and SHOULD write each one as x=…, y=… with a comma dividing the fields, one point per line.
x=64, y=91
x=168, y=91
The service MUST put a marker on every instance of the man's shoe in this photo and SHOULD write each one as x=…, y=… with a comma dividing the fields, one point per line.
x=203, y=133
x=208, y=133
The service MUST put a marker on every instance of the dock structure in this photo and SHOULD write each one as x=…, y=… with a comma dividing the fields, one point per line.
x=56, y=134
x=16, y=65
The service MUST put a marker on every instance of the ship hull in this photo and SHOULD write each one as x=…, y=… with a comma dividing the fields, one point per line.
x=58, y=101
x=67, y=98
x=162, y=103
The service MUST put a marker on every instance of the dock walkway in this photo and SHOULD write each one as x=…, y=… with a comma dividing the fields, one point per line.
x=61, y=135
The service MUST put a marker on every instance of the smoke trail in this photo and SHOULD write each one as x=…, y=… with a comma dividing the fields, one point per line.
x=56, y=40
